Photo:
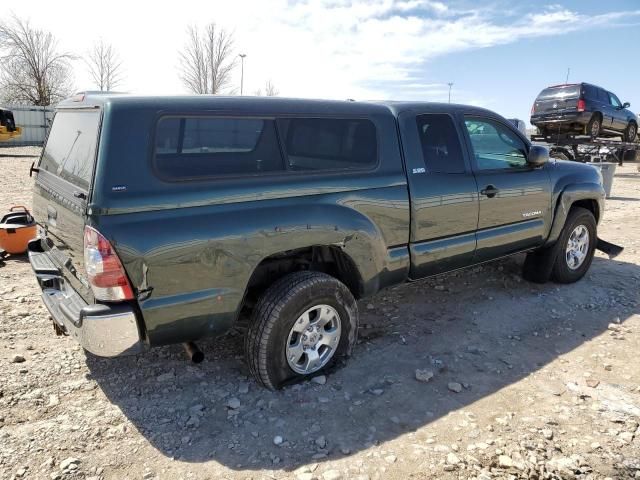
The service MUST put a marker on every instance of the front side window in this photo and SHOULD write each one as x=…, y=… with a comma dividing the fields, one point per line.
x=192, y=147
x=71, y=146
x=495, y=146
x=313, y=144
x=441, y=147
x=614, y=100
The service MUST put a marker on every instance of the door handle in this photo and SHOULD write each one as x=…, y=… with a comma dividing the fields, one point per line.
x=490, y=191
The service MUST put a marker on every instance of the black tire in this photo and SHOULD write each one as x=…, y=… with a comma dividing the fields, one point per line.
x=594, y=127
x=562, y=272
x=277, y=311
x=631, y=132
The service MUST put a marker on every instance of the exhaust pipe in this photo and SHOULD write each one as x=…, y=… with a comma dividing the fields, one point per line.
x=193, y=352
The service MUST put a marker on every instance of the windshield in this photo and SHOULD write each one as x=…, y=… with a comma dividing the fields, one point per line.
x=560, y=93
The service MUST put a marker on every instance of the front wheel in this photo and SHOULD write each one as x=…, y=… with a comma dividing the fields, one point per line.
x=577, y=244
x=301, y=325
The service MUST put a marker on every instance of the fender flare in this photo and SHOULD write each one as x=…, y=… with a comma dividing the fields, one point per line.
x=567, y=198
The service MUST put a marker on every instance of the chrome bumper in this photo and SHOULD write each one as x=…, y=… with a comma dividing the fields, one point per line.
x=104, y=330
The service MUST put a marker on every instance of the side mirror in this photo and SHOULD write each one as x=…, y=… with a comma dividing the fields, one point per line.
x=626, y=105
x=538, y=155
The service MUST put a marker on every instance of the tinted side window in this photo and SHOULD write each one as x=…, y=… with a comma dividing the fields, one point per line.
x=603, y=96
x=71, y=146
x=441, y=147
x=329, y=143
x=192, y=147
x=494, y=145
x=590, y=92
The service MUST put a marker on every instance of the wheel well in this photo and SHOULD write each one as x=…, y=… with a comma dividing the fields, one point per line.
x=328, y=259
x=590, y=205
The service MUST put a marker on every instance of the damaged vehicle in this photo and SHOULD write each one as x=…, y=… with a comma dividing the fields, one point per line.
x=165, y=220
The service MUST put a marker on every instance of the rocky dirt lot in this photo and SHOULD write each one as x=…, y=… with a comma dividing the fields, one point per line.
x=476, y=374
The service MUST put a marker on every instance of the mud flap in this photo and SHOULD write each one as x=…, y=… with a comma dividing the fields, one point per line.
x=609, y=248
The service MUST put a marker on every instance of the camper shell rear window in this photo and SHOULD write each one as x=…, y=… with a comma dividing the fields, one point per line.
x=71, y=146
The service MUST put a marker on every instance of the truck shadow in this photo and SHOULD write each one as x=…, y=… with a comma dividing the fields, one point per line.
x=484, y=328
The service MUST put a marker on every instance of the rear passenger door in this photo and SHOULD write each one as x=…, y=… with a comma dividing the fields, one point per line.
x=514, y=198
x=444, y=198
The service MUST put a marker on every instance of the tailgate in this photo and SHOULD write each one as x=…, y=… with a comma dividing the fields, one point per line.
x=61, y=191
x=557, y=99
x=556, y=106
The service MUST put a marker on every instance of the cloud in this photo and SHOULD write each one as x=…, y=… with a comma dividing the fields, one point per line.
x=369, y=49
x=312, y=48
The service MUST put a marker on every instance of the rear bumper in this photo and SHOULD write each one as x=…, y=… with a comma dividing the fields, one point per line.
x=104, y=330
x=573, y=119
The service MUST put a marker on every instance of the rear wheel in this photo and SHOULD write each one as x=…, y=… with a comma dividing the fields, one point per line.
x=631, y=132
x=576, y=246
x=301, y=325
x=594, y=127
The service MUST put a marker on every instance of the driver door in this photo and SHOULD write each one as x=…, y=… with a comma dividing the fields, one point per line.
x=514, y=198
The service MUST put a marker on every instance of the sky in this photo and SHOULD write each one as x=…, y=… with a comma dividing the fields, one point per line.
x=499, y=54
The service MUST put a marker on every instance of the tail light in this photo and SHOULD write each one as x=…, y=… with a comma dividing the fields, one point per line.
x=106, y=275
x=581, y=105
x=533, y=108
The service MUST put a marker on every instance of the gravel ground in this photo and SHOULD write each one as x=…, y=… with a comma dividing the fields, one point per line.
x=476, y=374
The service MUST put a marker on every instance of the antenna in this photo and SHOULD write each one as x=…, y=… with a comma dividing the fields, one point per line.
x=567, y=79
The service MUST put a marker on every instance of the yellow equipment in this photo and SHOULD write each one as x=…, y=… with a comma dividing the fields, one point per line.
x=8, y=129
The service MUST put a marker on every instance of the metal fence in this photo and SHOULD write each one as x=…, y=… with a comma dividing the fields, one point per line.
x=35, y=123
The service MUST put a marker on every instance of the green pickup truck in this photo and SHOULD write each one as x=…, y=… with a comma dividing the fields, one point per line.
x=167, y=219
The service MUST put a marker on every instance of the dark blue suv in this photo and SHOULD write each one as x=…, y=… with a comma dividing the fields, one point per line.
x=583, y=108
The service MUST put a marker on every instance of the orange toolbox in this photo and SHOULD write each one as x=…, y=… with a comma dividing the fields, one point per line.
x=17, y=228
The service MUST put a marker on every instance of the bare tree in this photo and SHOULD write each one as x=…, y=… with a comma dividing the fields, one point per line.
x=208, y=59
x=105, y=66
x=32, y=68
x=270, y=89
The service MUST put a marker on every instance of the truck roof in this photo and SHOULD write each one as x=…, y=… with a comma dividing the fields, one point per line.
x=248, y=104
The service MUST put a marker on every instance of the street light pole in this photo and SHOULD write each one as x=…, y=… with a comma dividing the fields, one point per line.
x=242, y=55
x=450, y=85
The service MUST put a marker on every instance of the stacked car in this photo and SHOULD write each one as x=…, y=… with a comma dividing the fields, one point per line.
x=583, y=108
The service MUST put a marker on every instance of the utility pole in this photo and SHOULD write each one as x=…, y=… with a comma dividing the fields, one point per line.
x=242, y=55
x=450, y=85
